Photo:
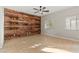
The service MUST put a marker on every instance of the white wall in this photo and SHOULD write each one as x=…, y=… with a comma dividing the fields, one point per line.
x=58, y=20
x=1, y=27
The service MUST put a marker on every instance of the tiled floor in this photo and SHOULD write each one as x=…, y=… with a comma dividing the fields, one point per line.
x=35, y=44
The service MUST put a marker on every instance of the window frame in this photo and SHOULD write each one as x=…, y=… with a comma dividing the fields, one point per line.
x=70, y=26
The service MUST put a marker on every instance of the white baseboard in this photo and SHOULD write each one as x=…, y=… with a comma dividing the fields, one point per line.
x=62, y=37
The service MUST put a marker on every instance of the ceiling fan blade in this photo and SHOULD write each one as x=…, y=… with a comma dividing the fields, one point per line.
x=45, y=10
x=42, y=13
x=44, y=7
x=35, y=8
x=35, y=12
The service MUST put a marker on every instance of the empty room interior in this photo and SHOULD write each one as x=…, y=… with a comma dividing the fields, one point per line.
x=39, y=29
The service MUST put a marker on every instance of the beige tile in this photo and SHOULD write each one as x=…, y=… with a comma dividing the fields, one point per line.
x=35, y=44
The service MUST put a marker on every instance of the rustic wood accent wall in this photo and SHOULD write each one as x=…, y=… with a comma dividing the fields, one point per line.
x=18, y=24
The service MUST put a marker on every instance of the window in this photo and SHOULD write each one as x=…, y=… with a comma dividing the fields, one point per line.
x=72, y=23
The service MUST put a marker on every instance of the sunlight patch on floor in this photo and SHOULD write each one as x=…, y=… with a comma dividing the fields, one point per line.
x=36, y=45
x=55, y=50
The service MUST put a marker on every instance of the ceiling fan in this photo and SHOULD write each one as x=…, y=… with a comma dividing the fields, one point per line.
x=41, y=10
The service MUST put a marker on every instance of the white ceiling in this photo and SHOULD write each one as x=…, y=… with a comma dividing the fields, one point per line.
x=29, y=9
